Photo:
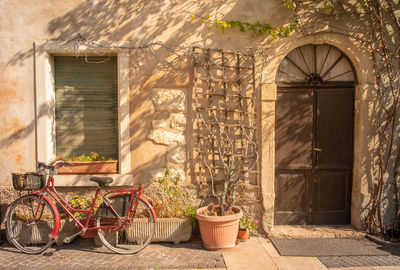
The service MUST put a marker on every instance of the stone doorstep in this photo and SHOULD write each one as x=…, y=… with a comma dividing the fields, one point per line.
x=315, y=231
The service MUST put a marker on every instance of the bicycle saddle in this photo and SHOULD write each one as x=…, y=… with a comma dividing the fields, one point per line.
x=102, y=181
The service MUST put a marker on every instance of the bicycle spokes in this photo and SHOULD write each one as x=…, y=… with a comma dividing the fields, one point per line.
x=136, y=231
x=30, y=223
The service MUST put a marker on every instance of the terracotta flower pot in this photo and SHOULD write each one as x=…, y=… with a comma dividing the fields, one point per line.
x=243, y=235
x=219, y=232
x=90, y=167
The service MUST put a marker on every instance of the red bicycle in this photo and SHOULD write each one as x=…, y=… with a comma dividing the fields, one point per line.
x=124, y=222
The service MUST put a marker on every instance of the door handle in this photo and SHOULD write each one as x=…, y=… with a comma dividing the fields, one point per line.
x=318, y=149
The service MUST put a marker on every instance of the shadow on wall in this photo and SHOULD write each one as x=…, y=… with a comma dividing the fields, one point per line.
x=140, y=22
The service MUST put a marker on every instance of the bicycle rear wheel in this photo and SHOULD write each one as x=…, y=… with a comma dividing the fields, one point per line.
x=30, y=223
x=121, y=239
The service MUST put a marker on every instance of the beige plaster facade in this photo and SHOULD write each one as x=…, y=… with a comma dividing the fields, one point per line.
x=154, y=104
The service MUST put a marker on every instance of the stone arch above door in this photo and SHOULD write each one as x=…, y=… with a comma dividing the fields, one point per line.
x=316, y=64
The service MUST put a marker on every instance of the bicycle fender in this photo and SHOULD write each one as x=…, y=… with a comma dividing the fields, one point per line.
x=150, y=206
x=54, y=232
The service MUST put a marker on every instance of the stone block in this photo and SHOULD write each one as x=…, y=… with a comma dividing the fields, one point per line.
x=157, y=173
x=166, y=137
x=178, y=121
x=177, y=155
x=159, y=124
x=169, y=100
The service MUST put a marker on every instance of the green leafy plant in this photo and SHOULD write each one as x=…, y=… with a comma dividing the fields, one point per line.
x=190, y=213
x=248, y=224
x=79, y=202
x=174, y=205
x=170, y=184
x=255, y=28
x=290, y=4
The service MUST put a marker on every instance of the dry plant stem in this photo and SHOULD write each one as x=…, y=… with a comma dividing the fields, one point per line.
x=221, y=137
x=388, y=126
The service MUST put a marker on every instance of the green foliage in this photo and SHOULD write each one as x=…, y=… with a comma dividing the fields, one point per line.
x=328, y=6
x=170, y=183
x=364, y=2
x=248, y=224
x=190, y=213
x=79, y=202
x=92, y=157
x=174, y=206
x=290, y=4
x=255, y=28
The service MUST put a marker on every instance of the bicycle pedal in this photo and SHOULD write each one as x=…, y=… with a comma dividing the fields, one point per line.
x=67, y=240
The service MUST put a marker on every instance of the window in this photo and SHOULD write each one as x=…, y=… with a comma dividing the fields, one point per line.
x=46, y=53
x=86, y=106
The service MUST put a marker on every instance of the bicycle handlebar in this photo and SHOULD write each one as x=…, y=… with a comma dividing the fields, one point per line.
x=57, y=164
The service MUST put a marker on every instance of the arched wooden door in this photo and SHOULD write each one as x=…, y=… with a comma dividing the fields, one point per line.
x=314, y=136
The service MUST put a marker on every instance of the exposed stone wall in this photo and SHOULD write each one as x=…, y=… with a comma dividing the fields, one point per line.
x=168, y=128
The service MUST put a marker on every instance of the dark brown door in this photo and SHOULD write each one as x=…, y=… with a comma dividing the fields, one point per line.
x=313, y=155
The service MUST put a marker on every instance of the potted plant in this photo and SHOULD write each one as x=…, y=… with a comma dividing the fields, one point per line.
x=175, y=217
x=222, y=155
x=91, y=164
x=246, y=226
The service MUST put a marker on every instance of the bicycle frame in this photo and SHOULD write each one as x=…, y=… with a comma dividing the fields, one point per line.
x=85, y=226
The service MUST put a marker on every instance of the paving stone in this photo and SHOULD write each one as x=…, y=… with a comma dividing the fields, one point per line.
x=81, y=255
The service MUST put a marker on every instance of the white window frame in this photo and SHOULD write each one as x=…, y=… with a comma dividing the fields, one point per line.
x=45, y=106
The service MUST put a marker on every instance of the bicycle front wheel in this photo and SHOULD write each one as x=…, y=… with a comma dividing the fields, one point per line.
x=125, y=239
x=30, y=222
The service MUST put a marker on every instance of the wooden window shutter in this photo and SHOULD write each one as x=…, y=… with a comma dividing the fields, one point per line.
x=86, y=106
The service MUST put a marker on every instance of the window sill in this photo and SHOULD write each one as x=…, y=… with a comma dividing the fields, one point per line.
x=82, y=180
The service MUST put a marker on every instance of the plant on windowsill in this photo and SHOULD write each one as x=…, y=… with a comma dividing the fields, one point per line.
x=246, y=226
x=89, y=164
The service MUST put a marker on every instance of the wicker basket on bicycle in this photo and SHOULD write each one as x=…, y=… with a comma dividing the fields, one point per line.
x=28, y=181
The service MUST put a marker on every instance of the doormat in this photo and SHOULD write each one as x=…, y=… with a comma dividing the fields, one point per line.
x=314, y=247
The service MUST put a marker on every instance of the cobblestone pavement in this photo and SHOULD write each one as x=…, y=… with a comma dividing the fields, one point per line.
x=83, y=255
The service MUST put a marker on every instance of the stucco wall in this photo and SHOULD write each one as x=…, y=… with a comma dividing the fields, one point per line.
x=22, y=23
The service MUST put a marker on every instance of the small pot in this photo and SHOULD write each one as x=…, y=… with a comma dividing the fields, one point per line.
x=243, y=235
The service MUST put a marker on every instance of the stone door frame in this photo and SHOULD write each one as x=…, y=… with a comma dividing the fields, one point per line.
x=363, y=150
